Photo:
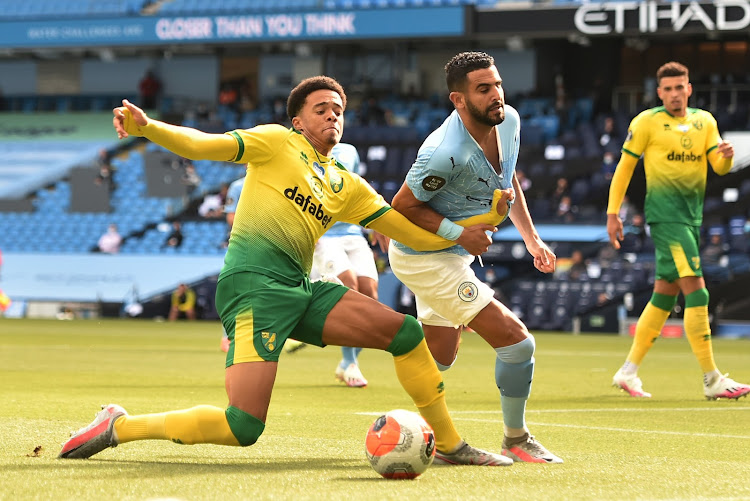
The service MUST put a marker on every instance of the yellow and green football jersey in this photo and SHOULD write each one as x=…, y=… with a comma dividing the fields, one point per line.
x=675, y=151
x=292, y=195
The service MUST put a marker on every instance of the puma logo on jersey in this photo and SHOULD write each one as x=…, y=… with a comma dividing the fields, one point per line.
x=482, y=201
x=485, y=181
x=307, y=205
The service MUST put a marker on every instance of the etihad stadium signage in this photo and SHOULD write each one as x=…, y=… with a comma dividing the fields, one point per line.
x=631, y=18
x=649, y=17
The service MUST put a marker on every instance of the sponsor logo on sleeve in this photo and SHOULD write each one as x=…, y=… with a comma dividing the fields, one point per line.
x=433, y=183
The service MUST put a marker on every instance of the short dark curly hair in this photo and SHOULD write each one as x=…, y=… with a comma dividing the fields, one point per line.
x=671, y=69
x=299, y=94
x=462, y=64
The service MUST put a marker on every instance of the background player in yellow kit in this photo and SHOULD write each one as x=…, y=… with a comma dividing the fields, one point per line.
x=675, y=142
x=293, y=192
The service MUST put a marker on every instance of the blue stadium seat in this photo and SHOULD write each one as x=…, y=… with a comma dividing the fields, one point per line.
x=558, y=319
x=579, y=191
x=389, y=190
x=536, y=316
x=532, y=135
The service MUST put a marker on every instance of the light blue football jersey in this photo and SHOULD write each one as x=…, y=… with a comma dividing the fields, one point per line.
x=346, y=155
x=453, y=176
x=233, y=195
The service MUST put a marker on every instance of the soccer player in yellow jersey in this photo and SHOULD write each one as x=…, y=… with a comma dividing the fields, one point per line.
x=675, y=142
x=293, y=192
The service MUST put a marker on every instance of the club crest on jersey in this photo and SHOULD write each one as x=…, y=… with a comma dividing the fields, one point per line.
x=467, y=291
x=319, y=169
x=316, y=185
x=698, y=125
x=337, y=182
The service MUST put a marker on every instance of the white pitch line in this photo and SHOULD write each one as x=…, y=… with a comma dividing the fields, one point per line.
x=631, y=409
x=614, y=409
x=652, y=432
x=624, y=430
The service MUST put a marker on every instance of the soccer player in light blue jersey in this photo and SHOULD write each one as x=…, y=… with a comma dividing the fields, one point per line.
x=344, y=252
x=457, y=169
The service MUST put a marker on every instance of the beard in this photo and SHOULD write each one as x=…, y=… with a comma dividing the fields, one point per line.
x=484, y=117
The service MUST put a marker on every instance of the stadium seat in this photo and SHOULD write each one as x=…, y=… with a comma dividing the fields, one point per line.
x=579, y=191
x=558, y=319
x=532, y=135
x=712, y=203
x=536, y=316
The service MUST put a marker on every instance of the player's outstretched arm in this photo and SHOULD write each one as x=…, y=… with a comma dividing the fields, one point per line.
x=396, y=226
x=130, y=120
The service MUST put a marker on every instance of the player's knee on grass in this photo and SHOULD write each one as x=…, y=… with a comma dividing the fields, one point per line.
x=245, y=427
x=407, y=338
x=514, y=368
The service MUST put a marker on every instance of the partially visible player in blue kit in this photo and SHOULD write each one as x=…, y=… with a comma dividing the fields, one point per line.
x=458, y=167
x=344, y=252
x=230, y=207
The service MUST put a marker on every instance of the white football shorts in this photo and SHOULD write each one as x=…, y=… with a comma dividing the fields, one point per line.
x=447, y=291
x=335, y=255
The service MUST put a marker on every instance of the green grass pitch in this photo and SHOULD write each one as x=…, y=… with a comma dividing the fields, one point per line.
x=55, y=374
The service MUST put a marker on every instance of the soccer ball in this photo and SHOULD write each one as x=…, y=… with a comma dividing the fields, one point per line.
x=400, y=444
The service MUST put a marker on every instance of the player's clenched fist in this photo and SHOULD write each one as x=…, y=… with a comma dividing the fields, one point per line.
x=128, y=120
